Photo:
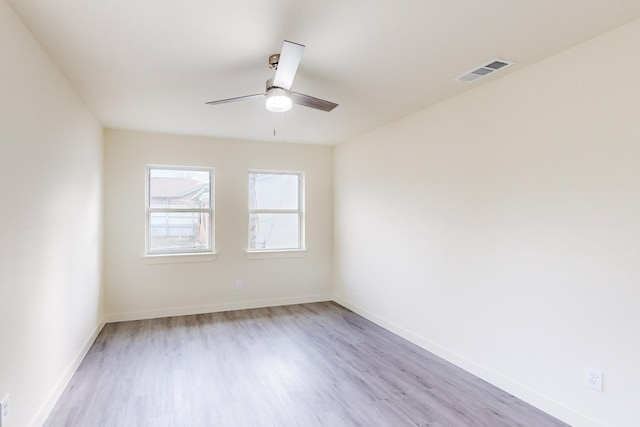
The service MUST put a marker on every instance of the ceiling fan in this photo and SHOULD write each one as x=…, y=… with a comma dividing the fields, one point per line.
x=279, y=96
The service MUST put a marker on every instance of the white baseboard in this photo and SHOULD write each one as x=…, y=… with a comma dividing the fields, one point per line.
x=541, y=402
x=214, y=308
x=62, y=383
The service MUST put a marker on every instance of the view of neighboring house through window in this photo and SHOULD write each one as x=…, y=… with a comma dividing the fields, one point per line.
x=275, y=210
x=179, y=210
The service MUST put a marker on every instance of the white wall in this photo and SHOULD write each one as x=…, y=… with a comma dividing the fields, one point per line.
x=501, y=229
x=50, y=225
x=138, y=288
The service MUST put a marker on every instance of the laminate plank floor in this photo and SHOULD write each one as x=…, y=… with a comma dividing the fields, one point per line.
x=301, y=365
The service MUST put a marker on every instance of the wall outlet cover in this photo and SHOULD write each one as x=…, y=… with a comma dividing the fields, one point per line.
x=4, y=411
x=593, y=379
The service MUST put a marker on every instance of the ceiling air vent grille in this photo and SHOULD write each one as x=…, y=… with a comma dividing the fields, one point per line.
x=485, y=70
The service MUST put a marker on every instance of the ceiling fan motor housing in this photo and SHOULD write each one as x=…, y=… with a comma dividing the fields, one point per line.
x=270, y=85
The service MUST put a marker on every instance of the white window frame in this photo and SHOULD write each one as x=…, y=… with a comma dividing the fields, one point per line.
x=299, y=212
x=150, y=210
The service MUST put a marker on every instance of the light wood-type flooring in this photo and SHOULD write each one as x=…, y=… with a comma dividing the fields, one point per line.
x=301, y=365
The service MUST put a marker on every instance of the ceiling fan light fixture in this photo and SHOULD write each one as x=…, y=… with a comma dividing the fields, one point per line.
x=278, y=94
x=278, y=100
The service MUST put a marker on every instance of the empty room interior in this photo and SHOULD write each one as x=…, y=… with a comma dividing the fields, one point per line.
x=338, y=213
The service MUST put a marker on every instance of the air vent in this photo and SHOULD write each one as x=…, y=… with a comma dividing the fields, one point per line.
x=480, y=72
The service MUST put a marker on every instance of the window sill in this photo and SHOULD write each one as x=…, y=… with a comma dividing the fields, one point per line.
x=292, y=253
x=179, y=258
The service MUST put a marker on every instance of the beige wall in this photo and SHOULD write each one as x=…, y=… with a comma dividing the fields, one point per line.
x=501, y=229
x=50, y=226
x=138, y=288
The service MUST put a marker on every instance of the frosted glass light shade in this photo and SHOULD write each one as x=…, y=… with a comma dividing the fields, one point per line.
x=278, y=100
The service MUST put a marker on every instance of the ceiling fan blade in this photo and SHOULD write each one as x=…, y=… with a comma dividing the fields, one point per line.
x=288, y=64
x=239, y=98
x=310, y=101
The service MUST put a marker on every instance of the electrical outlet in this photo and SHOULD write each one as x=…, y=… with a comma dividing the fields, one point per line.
x=593, y=379
x=4, y=411
x=239, y=285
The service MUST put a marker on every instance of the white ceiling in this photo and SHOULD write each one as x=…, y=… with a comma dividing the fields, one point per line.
x=152, y=64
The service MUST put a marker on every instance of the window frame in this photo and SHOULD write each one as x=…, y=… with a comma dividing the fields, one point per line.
x=299, y=211
x=181, y=252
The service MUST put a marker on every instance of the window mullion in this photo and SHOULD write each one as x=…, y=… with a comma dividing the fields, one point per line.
x=181, y=210
x=275, y=211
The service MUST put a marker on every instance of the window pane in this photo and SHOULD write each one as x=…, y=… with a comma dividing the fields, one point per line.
x=273, y=191
x=179, y=231
x=274, y=231
x=171, y=188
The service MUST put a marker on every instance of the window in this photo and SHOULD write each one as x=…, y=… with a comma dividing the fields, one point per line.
x=275, y=211
x=179, y=210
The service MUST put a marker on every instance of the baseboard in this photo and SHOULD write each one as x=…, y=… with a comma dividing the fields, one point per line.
x=62, y=383
x=214, y=308
x=541, y=402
